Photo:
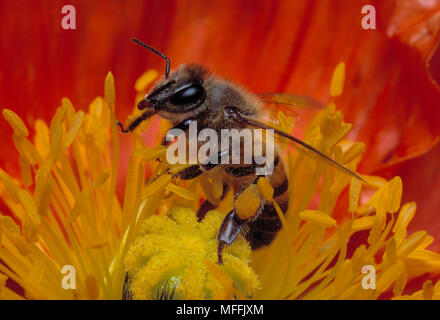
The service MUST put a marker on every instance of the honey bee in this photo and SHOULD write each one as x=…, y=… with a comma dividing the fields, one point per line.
x=191, y=93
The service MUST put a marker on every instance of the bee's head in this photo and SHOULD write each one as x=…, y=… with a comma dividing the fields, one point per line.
x=178, y=93
x=181, y=92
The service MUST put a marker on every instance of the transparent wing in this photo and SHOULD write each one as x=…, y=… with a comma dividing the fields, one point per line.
x=310, y=150
x=301, y=108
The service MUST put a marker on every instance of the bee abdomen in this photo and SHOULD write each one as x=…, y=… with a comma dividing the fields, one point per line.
x=264, y=229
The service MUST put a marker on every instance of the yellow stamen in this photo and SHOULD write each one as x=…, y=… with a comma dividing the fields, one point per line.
x=318, y=217
x=15, y=122
x=338, y=79
x=145, y=79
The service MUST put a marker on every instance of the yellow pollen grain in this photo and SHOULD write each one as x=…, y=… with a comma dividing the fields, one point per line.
x=248, y=202
x=145, y=80
x=318, y=217
x=15, y=122
x=338, y=79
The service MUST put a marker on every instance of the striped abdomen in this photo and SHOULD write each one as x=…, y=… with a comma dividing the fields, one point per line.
x=266, y=224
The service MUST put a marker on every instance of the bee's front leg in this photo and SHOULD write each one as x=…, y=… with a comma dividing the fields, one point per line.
x=136, y=122
x=196, y=170
x=190, y=172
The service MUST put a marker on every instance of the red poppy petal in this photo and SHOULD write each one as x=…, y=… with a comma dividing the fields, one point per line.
x=417, y=23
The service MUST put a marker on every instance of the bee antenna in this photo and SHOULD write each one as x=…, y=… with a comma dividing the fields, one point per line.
x=167, y=67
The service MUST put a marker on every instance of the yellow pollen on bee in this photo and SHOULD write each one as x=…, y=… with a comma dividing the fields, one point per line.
x=248, y=202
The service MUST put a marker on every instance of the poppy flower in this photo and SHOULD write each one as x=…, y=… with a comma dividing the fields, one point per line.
x=61, y=206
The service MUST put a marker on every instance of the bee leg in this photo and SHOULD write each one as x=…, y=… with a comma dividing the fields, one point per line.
x=229, y=230
x=190, y=172
x=214, y=160
x=136, y=122
x=196, y=170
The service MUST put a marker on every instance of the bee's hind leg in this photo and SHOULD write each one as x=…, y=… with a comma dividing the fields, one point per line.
x=229, y=230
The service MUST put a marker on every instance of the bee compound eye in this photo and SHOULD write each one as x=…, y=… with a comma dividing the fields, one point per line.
x=190, y=93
